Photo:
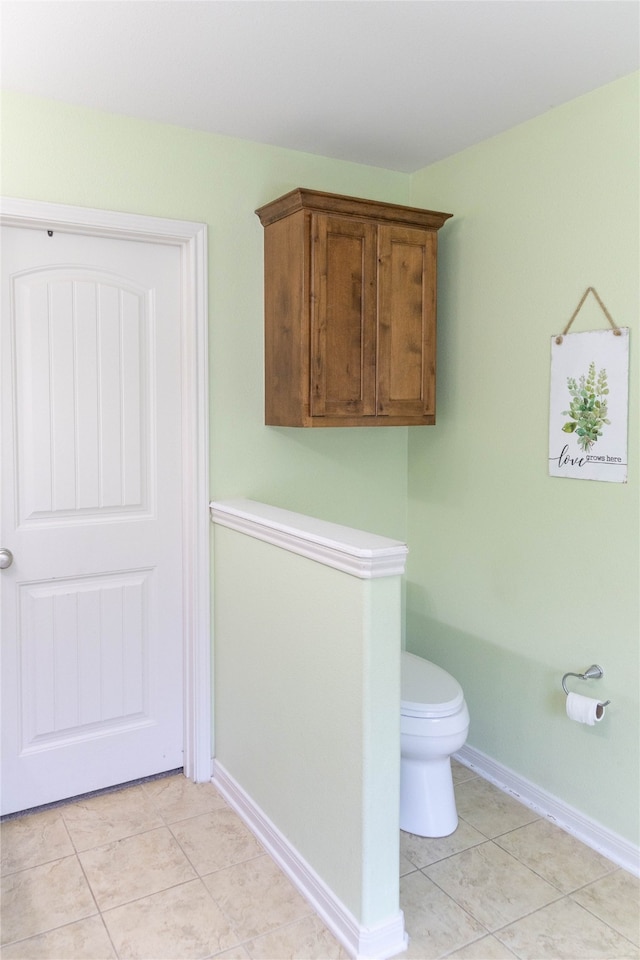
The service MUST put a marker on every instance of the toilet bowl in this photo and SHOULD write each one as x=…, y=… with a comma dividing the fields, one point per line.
x=434, y=723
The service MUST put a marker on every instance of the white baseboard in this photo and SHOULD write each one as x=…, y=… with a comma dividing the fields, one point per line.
x=620, y=851
x=364, y=943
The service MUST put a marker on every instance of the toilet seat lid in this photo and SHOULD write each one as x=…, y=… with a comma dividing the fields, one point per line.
x=426, y=689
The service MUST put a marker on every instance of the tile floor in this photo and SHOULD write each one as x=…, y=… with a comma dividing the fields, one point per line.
x=165, y=869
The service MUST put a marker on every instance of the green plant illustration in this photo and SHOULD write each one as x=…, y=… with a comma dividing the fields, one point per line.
x=588, y=408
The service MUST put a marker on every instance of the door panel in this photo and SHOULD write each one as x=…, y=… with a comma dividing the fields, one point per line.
x=343, y=349
x=91, y=509
x=84, y=657
x=407, y=323
x=82, y=354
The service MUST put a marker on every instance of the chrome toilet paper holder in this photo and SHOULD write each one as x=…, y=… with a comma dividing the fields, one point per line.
x=594, y=672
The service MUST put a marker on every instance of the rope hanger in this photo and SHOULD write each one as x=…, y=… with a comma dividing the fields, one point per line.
x=614, y=327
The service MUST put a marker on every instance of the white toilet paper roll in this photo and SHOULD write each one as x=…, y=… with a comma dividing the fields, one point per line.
x=584, y=709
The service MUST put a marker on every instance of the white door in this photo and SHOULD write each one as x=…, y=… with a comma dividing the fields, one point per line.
x=92, y=691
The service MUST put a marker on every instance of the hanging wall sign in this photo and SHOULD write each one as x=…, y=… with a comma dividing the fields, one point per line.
x=589, y=403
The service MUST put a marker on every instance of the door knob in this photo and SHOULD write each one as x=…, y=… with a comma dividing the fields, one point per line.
x=6, y=558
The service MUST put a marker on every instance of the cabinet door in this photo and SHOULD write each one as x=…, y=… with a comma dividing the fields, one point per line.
x=343, y=317
x=407, y=322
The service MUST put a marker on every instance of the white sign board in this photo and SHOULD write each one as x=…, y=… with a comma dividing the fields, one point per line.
x=589, y=405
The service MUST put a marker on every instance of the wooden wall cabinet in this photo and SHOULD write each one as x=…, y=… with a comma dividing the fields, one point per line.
x=350, y=311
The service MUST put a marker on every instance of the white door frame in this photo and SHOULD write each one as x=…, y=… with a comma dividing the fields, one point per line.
x=191, y=238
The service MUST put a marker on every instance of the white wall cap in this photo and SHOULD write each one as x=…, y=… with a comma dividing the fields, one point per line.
x=356, y=552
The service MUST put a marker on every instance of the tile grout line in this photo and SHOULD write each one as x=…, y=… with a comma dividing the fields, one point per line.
x=168, y=824
x=600, y=919
x=244, y=944
x=564, y=895
x=557, y=899
x=267, y=933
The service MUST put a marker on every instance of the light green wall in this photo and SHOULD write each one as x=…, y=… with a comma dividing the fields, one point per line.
x=325, y=775
x=514, y=577
x=65, y=154
x=306, y=696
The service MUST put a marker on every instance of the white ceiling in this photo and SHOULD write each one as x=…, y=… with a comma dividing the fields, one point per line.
x=388, y=83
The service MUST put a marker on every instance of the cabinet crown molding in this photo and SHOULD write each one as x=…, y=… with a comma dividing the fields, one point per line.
x=304, y=199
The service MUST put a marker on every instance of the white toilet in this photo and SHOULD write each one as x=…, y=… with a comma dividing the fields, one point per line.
x=434, y=722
